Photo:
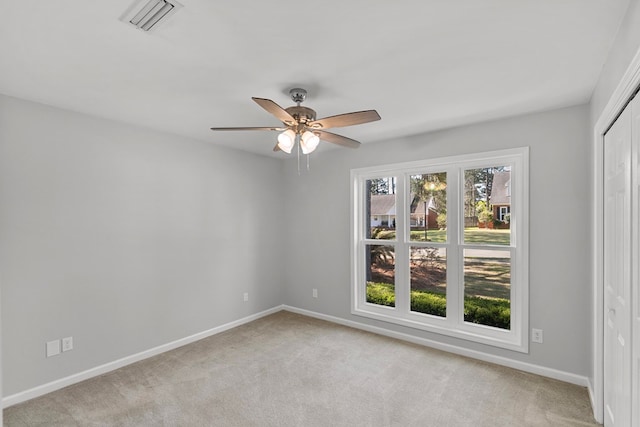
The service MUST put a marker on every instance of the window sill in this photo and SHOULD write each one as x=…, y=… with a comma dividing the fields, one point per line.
x=467, y=331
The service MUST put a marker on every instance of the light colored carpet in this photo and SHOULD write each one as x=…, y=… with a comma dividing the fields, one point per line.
x=292, y=370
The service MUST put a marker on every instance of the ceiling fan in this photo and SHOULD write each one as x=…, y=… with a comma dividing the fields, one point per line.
x=300, y=124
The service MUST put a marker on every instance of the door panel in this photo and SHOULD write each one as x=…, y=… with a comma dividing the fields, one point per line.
x=617, y=272
x=635, y=265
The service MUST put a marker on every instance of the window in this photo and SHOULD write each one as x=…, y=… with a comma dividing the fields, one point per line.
x=455, y=262
x=504, y=213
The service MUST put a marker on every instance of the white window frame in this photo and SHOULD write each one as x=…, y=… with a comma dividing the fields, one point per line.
x=517, y=338
x=503, y=211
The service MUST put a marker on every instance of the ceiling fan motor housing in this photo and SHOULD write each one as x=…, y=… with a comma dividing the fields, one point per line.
x=303, y=115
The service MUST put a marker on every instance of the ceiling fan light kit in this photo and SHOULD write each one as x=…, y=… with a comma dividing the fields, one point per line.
x=308, y=142
x=286, y=140
x=301, y=126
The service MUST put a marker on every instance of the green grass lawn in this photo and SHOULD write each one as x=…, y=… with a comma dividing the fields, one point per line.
x=471, y=235
x=439, y=236
x=494, y=312
x=487, y=236
x=487, y=277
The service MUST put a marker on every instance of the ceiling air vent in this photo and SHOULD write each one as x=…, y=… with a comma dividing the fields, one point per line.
x=146, y=14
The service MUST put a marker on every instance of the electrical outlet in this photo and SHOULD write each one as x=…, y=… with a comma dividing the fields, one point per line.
x=67, y=343
x=246, y=296
x=315, y=293
x=536, y=335
x=53, y=348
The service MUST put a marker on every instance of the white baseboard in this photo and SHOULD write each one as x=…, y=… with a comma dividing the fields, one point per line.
x=597, y=414
x=111, y=366
x=498, y=360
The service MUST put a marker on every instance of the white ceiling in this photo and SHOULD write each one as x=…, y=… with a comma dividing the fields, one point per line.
x=422, y=64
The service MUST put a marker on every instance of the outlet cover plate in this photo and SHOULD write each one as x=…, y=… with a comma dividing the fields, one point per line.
x=536, y=335
x=53, y=348
x=67, y=343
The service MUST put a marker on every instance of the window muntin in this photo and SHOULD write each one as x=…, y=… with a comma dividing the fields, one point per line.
x=451, y=254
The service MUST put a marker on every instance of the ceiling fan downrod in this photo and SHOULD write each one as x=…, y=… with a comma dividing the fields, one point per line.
x=302, y=115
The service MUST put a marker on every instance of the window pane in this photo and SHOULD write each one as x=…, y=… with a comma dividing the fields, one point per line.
x=380, y=208
x=381, y=275
x=487, y=287
x=429, y=281
x=428, y=207
x=487, y=205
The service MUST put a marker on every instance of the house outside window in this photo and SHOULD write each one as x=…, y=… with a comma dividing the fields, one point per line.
x=500, y=197
x=445, y=276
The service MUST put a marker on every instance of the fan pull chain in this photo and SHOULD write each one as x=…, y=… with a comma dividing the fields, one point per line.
x=299, y=148
x=298, y=144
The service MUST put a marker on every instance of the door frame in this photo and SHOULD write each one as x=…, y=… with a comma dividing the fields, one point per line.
x=624, y=91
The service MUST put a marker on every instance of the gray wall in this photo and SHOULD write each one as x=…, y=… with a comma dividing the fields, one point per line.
x=559, y=227
x=624, y=48
x=124, y=238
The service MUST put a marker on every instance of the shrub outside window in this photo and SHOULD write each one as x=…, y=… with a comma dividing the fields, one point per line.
x=442, y=245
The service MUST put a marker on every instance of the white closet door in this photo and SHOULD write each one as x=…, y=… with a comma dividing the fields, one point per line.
x=635, y=264
x=617, y=272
